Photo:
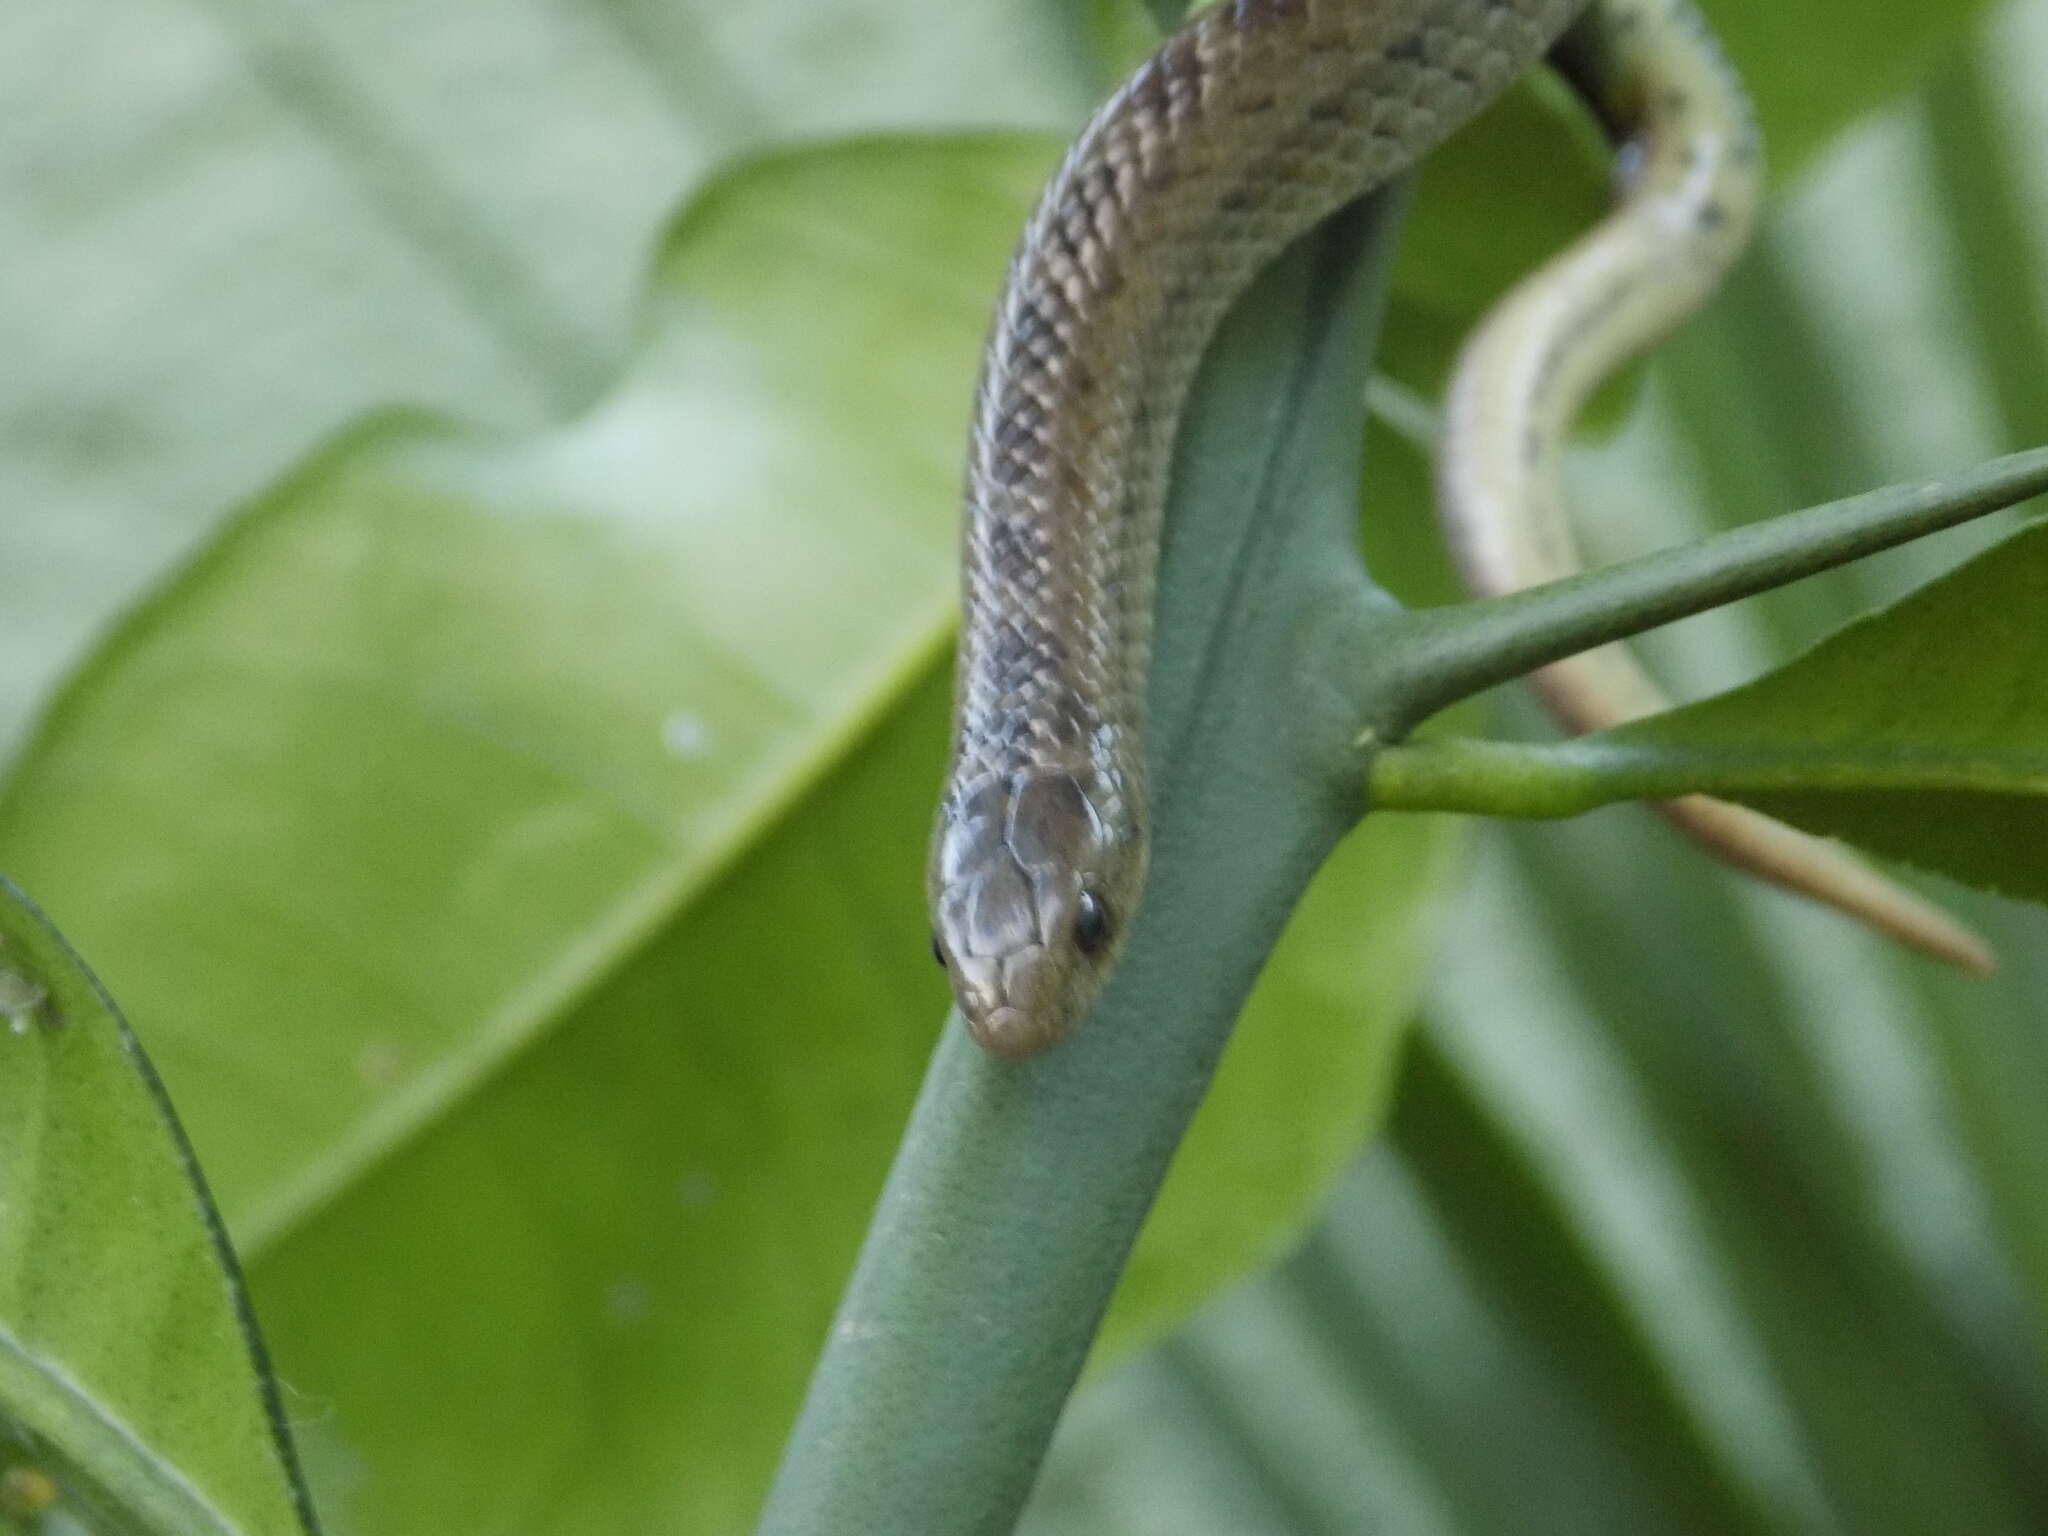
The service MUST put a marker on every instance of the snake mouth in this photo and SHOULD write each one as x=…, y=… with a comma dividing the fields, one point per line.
x=1011, y=1002
x=1010, y=1032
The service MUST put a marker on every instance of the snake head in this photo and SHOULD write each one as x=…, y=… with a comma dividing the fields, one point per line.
x=1034, y=876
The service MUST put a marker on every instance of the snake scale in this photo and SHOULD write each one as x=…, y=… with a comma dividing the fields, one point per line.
x=1253, y=122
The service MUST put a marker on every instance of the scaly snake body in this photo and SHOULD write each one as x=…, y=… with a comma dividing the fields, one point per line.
x=1248, y=126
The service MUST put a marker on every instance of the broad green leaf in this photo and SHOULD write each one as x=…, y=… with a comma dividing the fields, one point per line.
x=445, y=725
x=1920, y=732
x=131, y=1378
x=229, y=229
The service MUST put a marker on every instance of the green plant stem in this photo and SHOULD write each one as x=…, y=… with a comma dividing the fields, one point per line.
x=1536, y=780
x=1546, y=780
x=1435, y=657
x=1020, y=1186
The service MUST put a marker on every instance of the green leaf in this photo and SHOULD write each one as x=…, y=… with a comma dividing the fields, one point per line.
x=232, y=228
x=445, y=725
x=131, y=1375
x=1920, y=732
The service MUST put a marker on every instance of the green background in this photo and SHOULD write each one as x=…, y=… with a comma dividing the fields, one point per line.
x=506, y=835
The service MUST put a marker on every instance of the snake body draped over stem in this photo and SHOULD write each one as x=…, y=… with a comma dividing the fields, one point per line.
x=1246, y=128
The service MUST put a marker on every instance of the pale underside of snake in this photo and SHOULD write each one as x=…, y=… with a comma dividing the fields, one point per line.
x=1248, y=126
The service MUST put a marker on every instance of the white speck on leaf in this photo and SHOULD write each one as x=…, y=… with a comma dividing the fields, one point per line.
x=21, y=998
x=686, y=735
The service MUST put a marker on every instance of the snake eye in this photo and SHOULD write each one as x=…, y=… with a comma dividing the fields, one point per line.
x=1091, y=924
x=939, y=951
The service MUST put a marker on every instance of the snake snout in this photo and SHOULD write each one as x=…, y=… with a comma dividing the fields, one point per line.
x=1011, y=1032
x=1012, y=1001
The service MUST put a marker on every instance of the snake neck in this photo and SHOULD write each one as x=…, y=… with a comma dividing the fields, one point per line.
x=1244, y=130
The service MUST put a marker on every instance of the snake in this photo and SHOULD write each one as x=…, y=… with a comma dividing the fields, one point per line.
x=1250, y=124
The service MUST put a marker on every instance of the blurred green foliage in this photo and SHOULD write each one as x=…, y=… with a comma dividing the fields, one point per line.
x=508, y=842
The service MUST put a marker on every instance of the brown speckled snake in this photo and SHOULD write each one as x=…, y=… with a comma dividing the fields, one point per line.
x=1249, y=125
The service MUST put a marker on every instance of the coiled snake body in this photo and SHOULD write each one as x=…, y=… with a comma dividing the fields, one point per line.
x=1253, y=122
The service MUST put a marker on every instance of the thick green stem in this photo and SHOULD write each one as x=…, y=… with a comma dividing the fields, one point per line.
x=1020, y=1186
x=1437, y=656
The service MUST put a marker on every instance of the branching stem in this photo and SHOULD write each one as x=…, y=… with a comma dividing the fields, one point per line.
x=1435, y=657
